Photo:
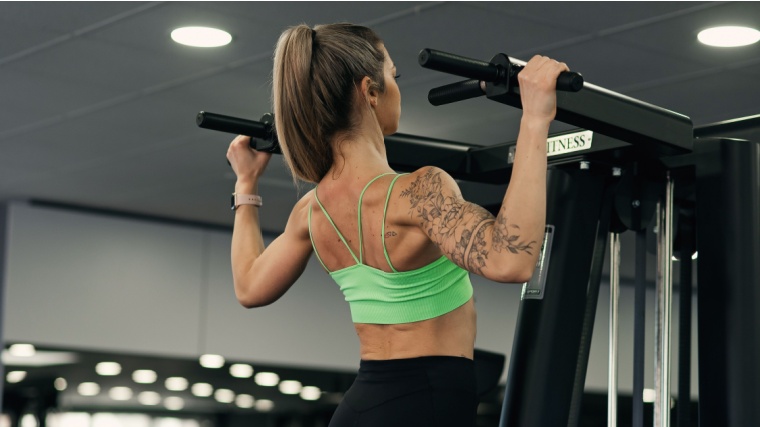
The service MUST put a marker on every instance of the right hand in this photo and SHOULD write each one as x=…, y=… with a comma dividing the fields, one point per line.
x=538, y=87
x=247, y=163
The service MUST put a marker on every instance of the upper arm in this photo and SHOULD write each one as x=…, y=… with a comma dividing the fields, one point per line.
x=282, y=262
x=465, y=232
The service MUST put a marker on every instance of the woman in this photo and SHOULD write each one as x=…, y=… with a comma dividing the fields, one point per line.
x=399, y=246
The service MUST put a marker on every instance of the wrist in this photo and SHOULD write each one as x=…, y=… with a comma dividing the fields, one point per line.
x=535, y=123
x=247, y=186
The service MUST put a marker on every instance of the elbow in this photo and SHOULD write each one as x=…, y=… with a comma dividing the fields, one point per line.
x=250, y=299
x=249, y=302
x=517, y=274
x=523, y=276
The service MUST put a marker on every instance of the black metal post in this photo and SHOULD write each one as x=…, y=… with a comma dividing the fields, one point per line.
x=687, y=248
x=545, y=353
x=728, y=240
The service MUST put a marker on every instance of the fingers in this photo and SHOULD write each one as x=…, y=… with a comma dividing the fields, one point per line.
x=542, y=72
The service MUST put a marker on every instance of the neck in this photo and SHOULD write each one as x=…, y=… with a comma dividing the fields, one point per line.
x=360, y=154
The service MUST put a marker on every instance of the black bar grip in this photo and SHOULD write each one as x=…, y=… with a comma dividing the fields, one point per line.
x=460, y=66
x=455, y=92
x=231, y=124
x=570, y=81
x=567, y=81
x=261, y=133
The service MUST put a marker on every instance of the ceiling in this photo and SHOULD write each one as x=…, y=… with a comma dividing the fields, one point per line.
x=98, y=103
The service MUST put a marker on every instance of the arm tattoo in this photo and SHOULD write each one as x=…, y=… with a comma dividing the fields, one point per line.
x=391, y=234
x=502, y=238
x=459, y=228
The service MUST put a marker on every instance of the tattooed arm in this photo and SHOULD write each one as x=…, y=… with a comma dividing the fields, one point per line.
x=497, y=248
x=504, y=248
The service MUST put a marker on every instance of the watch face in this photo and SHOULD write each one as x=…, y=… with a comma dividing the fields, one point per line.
x=232, y=202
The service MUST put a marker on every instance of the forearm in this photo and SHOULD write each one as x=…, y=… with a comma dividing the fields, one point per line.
x=520, y=223
x=247, y=240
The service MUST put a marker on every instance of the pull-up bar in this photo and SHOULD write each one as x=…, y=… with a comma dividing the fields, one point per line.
x=650, y=128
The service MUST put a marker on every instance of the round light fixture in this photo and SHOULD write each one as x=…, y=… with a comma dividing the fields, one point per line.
x=212, y=361
x=241, y=370
x=149, y=398
x=108, y=368
x=202, y=389
x=267, y=379
x=201, y=36
x=174, y=403
x=730, y=36
x=22, y=350
x=144, y=376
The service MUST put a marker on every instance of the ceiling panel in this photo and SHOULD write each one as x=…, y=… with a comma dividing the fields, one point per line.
x=590, y=17
x=62, y=17
x=709, y=98
x=593, y=59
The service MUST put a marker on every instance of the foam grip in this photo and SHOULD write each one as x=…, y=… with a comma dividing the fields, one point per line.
x=455, y=92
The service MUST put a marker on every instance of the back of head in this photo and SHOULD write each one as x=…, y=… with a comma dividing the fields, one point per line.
x=315, y=79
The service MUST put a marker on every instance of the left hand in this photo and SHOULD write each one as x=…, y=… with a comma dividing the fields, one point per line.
x=247, y=163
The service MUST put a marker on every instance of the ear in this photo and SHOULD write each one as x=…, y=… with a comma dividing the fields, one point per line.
x=369, y=90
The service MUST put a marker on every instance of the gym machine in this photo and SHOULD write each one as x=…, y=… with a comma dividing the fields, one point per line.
x=628, y=163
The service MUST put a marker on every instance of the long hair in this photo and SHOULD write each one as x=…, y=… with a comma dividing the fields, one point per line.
x=315, y=76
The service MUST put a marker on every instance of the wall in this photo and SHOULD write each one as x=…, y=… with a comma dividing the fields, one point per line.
x=88, y=281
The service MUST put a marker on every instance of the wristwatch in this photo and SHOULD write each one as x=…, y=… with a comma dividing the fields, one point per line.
x=245, y=199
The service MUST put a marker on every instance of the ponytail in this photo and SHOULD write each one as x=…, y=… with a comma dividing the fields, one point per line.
x=314, y=84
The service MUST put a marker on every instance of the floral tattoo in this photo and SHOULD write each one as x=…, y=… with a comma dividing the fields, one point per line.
x=458, y=227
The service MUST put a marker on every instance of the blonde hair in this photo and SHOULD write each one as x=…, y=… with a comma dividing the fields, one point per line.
x=315, y=78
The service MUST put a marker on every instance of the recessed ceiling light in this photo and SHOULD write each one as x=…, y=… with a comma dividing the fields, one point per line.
x=201, y=36
x=108, y=368
x=149, y=398
x=290, y=387
x=176, y=384
x=730, y=36
x=241, y=370
x=60, y=384
x=29, y=420
x=224, y=395
x=15, y=376
x=202, y=389
x=144, y=376
x=264, y=405
x=311, y=393
x=212, y=361
x=267, y=379
x=174, y=403
x=120, y=393
x=21, y=350
x=244, y=401
x=88, y=389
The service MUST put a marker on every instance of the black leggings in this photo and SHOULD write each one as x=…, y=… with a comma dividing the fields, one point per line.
x=434, y=391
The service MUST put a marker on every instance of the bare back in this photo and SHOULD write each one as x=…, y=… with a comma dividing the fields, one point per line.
x=408, y=247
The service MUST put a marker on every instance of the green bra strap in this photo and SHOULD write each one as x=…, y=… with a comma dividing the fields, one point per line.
x=313, y=245
x=361, y=196
x=385, y=210
x=334, y=226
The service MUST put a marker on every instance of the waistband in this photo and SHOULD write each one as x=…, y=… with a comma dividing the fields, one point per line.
x=412, y=363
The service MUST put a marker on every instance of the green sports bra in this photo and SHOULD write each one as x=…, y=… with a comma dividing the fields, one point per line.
x=379, y=297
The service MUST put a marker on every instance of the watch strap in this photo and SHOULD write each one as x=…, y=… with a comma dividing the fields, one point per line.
x=246, y=199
